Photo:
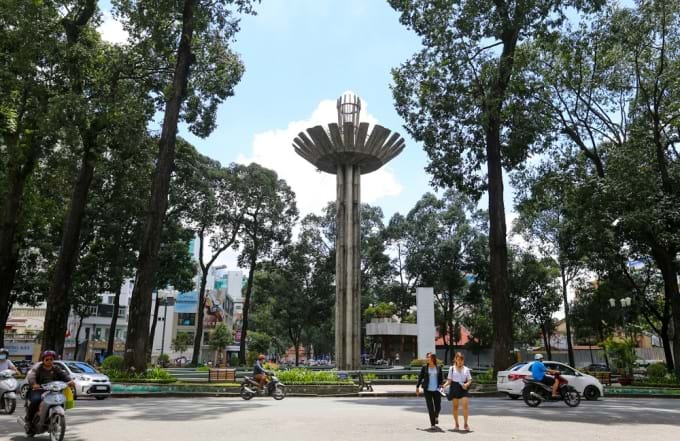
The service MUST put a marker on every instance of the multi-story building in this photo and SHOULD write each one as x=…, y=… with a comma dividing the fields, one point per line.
x=96, y=327
x=23, y=327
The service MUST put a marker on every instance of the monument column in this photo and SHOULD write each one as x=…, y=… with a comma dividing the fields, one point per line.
x=347, y=150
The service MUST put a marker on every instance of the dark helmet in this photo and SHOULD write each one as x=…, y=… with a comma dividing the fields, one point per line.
x=48, y=353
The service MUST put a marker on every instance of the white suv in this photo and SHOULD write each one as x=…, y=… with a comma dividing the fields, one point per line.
x=511, y=383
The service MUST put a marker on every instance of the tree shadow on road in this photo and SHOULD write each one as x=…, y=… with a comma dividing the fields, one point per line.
x=602, y=412
x=182, y=409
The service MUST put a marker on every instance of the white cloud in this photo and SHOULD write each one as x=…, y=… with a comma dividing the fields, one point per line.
x=112, y=30
x=273, y=149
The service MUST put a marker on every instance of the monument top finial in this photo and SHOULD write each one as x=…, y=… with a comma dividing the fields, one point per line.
x=348, y=106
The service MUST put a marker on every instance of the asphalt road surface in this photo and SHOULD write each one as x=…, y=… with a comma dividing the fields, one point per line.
x=320, y=419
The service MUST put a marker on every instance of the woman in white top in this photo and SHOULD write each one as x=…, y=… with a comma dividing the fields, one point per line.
x=460, y=374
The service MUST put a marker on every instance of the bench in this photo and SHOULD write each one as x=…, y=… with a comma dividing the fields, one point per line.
x=363, y=383
x=217, y=375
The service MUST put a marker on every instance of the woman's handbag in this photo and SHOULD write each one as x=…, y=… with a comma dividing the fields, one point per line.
x=455, y=391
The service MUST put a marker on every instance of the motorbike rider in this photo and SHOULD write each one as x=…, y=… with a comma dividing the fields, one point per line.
x=5, y=362
x=539, y=373
x=42, y=373
x=259, y=371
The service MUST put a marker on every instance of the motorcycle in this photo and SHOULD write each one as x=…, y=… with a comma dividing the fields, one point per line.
x=535, y=392
x=273, y=388
x=8, y=391
x=51, y=415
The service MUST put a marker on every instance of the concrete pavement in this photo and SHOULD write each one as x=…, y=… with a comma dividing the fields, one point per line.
x=395, y=419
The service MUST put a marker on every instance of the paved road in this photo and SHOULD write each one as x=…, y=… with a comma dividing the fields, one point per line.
x=321, y=419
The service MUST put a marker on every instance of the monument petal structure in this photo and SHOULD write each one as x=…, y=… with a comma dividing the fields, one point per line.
x=348, y=149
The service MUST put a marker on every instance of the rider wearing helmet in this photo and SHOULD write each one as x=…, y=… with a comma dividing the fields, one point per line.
x=5, y=362
x=538, y=372
x=42, y=373
x=259, y=371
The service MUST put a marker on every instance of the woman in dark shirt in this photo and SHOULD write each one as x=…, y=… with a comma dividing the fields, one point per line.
x=431, y=378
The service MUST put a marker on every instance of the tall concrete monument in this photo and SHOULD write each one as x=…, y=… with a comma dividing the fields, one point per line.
x=348, y=149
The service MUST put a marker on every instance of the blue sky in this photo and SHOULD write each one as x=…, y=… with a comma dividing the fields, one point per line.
x=300, y=55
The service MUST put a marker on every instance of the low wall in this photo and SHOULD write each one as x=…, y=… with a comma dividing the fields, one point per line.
x=293, y=389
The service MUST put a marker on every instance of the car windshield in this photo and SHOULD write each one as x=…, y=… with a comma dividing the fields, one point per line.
x=81, y=368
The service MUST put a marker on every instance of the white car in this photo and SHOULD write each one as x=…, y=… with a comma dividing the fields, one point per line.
x=511, y=383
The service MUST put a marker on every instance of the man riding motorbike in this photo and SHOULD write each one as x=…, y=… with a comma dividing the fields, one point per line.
x=538, y=372
x=5, y=362
x=259, y=371
x=43, y=373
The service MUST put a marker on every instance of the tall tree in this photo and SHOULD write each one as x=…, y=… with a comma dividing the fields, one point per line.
x=616, y=99
x=215, y=213
x=466, y=97
x=29, y=81
x=546, y=221
x=191, y=40
x=269, y=216
x=106, y=108
x=533, y=284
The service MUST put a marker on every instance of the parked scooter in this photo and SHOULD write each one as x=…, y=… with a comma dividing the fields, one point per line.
x=51, y=416
x=535, y=392
x=8, y=389
x=273, y=388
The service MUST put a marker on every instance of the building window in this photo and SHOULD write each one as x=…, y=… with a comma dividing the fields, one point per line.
x=186, y=319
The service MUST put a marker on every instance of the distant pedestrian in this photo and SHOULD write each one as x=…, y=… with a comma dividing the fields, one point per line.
x=431, y=377
x=459, y=379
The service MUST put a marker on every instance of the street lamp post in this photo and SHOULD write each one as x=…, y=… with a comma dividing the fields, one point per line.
x=166, y=300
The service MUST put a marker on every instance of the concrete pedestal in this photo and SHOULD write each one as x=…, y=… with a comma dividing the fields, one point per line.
x=425, y=320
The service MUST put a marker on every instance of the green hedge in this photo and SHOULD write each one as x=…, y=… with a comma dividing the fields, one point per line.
x=307, y=376
x=155, y=375
x=113, y=363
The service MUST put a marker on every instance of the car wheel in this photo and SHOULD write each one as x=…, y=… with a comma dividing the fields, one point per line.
x=591, y=393
x=513, y=396
x=101, y=398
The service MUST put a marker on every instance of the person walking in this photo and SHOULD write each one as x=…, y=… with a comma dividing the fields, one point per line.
x=459, y=379
x=431, y=378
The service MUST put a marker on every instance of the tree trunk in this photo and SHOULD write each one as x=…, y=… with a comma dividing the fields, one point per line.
x=500, y=300
x=80, y=325
x=667, y=349
x=154, y=322
x=567, y=319
x=114, y=321
x=665, y=262
x=546, y=340
x=138, y=330
x=296, y=345
x=198, y=338
x=57, y=297
x=246, y=307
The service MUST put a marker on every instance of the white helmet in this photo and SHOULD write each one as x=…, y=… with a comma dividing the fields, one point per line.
x=538, y=357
